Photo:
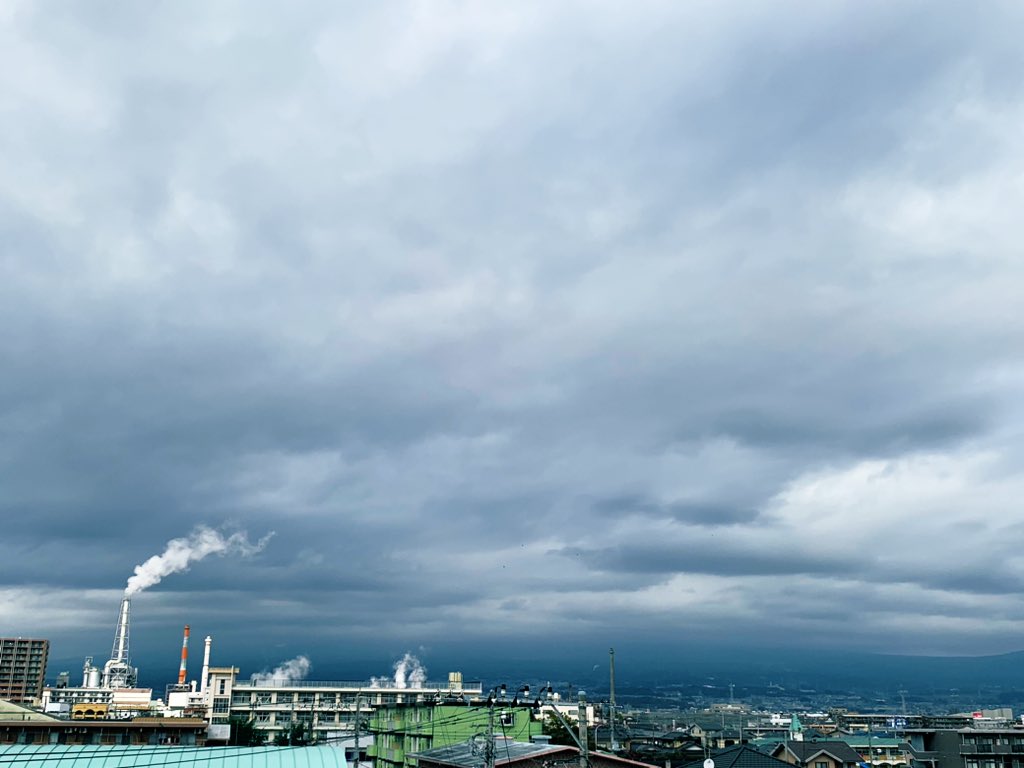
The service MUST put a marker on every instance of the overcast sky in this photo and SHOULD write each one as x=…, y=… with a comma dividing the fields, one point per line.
x=513, y=321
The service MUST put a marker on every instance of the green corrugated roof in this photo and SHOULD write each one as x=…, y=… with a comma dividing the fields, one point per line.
x=67, y=756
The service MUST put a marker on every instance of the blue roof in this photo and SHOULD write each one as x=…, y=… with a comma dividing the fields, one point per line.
x=89, y=756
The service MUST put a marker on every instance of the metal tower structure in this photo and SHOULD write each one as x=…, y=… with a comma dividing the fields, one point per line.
x=118, y=671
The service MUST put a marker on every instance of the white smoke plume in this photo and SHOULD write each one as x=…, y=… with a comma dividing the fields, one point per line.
x=286, y=672
x=181, y=553
x=408, y=672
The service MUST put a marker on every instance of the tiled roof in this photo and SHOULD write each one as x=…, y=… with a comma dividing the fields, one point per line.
x=806, y=750
x=741, y=756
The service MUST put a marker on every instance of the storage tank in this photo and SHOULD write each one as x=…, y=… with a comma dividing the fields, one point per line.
x=94, y=678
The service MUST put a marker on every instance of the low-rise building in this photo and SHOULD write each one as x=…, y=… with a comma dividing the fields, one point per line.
x=817, y=754
x=878, y=751
x=176, y=731
x=117, y=702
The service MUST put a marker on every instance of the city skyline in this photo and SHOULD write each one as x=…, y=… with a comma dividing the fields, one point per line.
x=500, y=327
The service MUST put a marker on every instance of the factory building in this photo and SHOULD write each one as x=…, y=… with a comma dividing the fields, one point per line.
x=110, y=687
x=113, y=702
x=23, y=669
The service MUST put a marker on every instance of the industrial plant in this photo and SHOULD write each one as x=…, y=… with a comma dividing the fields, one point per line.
x=111, y=690
x=274, y=702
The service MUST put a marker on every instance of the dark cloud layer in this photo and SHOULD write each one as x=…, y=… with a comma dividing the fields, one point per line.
x=512, y=321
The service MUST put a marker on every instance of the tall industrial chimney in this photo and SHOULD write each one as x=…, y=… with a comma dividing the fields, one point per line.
x=206, y=665
x=120, y=649
x=184, y=658
x=118, y=671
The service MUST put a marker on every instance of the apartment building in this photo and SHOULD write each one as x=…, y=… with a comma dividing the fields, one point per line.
x=402, y=730
x=966, y=748
x=23, y=669
x=329, y=710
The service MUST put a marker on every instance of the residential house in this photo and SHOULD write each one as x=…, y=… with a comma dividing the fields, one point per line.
x=818, y=754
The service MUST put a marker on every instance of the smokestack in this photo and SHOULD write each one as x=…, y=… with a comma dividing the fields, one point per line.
x=120, y=651
x=118, y=671
x=184, y=658
x=206, y=665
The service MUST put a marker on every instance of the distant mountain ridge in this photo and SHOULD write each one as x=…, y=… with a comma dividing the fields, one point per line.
x=793, y=669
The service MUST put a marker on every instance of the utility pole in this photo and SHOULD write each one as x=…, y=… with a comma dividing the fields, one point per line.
x=582, y=714
x=489, y=745
x=614, y=744
x=359, y=715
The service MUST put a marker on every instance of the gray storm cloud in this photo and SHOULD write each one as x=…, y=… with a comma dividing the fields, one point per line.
x=512, y=315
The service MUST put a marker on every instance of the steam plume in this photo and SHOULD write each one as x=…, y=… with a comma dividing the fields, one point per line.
x=286, y=672
x=408, y=672
x=181, y=553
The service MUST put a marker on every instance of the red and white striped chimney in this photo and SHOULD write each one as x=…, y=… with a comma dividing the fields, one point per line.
x=184, y=658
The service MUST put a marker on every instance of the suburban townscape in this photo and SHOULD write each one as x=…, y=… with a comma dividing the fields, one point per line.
x=406, y=720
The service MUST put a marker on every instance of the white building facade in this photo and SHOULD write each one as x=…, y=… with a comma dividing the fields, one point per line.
x=329, y=710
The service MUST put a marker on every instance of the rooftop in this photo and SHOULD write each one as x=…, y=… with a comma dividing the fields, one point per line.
x=467, y=753
x=741, y=756
x=58, y=756
x=805, y=750
x=9, y=711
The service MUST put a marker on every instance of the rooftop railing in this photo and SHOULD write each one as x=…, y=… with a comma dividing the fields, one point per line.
x=364, y=686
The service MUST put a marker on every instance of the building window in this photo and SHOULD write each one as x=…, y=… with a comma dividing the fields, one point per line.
x=220, y=705
x=821, y=764
x=222, y=687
